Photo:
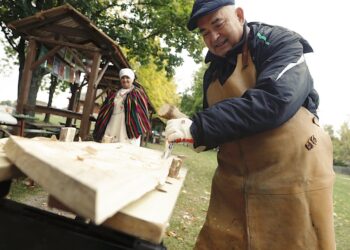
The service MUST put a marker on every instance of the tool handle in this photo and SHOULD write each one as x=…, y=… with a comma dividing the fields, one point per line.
x=168, y=111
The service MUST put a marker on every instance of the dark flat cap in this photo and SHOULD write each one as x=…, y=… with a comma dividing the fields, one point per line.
x=204, y=7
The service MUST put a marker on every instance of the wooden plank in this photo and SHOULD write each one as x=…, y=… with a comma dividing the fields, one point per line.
x=148, y=218
x=7, y=169
x=94, y=180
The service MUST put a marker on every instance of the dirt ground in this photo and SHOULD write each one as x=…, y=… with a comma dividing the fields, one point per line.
x=35, y=196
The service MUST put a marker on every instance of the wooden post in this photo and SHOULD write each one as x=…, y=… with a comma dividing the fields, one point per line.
x=26, y=77
x=72, y=102
x=90, y=97
x=67, y=134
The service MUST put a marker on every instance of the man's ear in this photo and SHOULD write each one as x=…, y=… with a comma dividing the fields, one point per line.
x=240, y=14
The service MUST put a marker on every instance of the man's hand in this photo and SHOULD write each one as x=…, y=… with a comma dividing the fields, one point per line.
x=178, y=130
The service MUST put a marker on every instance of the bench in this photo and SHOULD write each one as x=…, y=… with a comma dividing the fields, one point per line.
x=39, y=132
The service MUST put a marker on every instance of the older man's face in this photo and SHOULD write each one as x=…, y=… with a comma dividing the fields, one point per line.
x=222, y=29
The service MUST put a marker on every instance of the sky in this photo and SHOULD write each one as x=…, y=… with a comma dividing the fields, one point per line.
x=323, y=25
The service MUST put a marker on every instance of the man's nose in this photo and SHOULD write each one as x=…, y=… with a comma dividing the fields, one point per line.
x=214, y=36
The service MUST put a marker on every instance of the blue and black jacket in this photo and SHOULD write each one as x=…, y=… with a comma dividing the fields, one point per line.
x=283, y=85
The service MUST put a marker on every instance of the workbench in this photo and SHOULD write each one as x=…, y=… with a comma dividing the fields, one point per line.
x=139, y=225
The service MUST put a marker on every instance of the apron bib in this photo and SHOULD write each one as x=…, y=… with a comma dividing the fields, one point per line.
x=272, y=190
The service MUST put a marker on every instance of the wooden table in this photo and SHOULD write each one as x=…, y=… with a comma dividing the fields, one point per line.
x=6, y=119
x=146, y=218
x=22, y=118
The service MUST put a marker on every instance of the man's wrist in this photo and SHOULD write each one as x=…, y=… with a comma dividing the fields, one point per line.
x=188, y=140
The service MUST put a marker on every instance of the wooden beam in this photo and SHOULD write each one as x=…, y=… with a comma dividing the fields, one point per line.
x=89, y=97
x=101, y=75
x=31, y=23
x=45, y=57
x=103, y=91
x=26, y=76
x=77, y=60
x=67, y=31
x=67, y=44
x=60, y=112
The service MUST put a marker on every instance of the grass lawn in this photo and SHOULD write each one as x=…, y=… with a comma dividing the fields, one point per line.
x=342, y=211
x=191, y=207
x=54, y=119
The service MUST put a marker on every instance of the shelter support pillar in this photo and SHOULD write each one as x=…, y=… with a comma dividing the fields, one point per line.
x=72, y=102
x=26, y=76
x=90, y=97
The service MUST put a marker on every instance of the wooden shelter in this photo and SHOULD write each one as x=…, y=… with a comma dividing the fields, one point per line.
x=64, y=30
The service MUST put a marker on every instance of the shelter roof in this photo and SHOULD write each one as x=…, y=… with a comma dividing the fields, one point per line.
x=68, y=26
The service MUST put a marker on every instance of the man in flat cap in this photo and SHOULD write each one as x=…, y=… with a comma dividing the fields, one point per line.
x=272, y=188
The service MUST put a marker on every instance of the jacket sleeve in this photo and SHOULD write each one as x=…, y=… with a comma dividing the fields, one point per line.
x=283, y=84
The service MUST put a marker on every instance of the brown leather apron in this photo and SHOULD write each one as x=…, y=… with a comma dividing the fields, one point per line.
x=272, y=190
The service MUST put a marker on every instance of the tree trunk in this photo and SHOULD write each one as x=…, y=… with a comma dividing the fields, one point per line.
x=38, y=75
x=52, y=89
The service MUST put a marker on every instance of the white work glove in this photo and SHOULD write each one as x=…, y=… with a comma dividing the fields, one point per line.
x=178, y=130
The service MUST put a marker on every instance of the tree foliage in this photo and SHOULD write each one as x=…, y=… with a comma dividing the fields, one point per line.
x=159, y=88
x=7, y=102
x=7, y=63
x=341, y=144
x=192, y=98
x=151, y=31
x=146, y=28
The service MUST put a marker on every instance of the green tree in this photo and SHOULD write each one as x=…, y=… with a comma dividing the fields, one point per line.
x=159, y=88
x=7, y=102
x=341, y=144
x=7, y=62
x=344, y=147
x=192, y=98
x=146, y=28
